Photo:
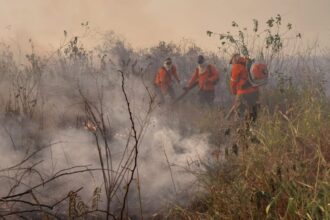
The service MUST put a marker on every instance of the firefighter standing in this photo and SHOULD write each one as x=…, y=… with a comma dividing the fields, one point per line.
x=246, y=94
x=206, y=76
x=164, y=80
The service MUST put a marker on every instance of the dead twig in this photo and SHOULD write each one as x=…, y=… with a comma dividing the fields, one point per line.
x=136, y=140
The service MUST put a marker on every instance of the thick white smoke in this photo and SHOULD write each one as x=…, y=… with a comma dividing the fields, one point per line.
x=57, y=128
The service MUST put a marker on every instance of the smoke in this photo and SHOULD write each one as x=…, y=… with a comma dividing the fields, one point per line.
x=45, y=20
x=45, y=116
x=48, y=129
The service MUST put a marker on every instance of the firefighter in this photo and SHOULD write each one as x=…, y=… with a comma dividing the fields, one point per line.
x=206, y=76
x=164, y=80
x=247, y=95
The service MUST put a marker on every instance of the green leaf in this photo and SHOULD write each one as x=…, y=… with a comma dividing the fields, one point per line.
x=278, y=19
x=255, y=25
x=234, y=24
x=241, y=35
x=231, y=39
x=270, y=22
x=209, y=33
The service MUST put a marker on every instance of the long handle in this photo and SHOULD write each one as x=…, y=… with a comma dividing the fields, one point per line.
x=185, y=93
x=232, y=109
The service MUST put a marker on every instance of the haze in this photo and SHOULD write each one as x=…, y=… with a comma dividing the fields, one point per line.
x=146, y=22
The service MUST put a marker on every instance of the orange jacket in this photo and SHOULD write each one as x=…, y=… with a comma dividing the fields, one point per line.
x=206, y=80
x=239, y=82
x=164, y=78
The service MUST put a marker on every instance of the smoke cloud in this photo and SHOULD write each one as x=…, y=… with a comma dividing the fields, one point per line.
x=44, y=115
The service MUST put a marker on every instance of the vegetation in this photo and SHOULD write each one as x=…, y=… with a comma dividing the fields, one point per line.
x=283, y=176
x=277, y=168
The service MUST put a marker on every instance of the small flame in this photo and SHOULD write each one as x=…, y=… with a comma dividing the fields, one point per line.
x=90, y=126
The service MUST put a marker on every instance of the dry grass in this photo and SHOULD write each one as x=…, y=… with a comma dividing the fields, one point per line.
x=285, y=176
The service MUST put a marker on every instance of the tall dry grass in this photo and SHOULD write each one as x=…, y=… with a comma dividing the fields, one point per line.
x=285, y=174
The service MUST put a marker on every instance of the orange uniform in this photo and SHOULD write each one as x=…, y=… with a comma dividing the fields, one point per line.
x=239, y=79
x=206, y=80
x=164, y=78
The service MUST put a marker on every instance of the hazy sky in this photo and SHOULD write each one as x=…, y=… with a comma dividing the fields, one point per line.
x=146, y=22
